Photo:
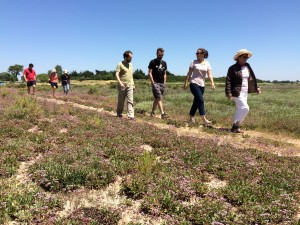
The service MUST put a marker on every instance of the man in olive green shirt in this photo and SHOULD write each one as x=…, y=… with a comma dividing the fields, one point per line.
x=124, y=76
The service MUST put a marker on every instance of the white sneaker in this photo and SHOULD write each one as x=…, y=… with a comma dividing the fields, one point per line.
x=207, y=122
x=192, y=119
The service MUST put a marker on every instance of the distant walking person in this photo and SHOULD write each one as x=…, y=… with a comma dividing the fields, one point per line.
x=65, y=81
x=53, y=79
x=158, y=77
x=196, y=77
x=30, y=78
x=126, y=86
x=240, y=81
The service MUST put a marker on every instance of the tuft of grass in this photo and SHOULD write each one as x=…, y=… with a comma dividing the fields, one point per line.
x=24, y=107
x=19, y=203
x=4, y=92
x=136, y=186
x=93, y=90
x=92, y=216
x=69, y=171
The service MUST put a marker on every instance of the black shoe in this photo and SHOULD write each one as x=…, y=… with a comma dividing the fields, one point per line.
x=119, y=115
x=164, y=116
x=236, y=129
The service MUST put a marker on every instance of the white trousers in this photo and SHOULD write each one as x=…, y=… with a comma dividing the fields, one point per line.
x=242, y=107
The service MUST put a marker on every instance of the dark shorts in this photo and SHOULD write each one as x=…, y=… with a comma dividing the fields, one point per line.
x=158, y=90
x=53, y=84
x=31, y=83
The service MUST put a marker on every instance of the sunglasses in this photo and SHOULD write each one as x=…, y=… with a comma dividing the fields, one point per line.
x=245, y=57
x=199, y=53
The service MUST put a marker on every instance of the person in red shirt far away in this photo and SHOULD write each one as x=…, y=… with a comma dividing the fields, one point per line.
x=30, y=78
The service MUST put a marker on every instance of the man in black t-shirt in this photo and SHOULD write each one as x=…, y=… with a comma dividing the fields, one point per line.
x=158, y=76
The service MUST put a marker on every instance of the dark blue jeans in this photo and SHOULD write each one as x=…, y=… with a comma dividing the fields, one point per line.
x=198, y=103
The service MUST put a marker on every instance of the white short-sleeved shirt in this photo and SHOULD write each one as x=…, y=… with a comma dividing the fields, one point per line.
x=245, y=75
x=199, y=72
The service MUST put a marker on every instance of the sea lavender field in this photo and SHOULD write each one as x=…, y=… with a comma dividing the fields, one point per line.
x=70, y=160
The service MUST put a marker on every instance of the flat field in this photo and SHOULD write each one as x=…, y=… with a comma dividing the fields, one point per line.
x=70, y=160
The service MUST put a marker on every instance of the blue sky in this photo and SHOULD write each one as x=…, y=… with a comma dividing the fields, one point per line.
x=93, y=34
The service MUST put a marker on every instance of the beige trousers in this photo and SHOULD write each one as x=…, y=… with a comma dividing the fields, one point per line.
x=127, y=92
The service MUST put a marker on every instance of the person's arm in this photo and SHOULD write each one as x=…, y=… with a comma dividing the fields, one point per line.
x=150, y=76
x=34, y=75
x=119, y=80
x=258, y=90
x=228, y=85
x=24, y=74
x=209, y=73
x=188, y=77
x=165, y=75
x=133, y=85
x=118, y=70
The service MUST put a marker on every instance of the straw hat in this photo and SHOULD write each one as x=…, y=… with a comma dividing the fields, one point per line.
x=242, y=52
x=66, y=71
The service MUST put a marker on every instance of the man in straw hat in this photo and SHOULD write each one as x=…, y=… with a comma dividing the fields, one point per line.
x=240, y=81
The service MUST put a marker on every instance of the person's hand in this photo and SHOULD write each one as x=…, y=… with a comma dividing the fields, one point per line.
x=213, y=86
x=133, y=87
x=229, y=98
x=122, y=86
x=185, y=86
x=258, y=91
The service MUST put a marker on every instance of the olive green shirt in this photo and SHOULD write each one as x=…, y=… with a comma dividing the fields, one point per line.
x=125, y=72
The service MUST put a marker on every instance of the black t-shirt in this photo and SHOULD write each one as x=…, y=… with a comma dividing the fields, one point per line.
x=65, y=79
x=158, y=70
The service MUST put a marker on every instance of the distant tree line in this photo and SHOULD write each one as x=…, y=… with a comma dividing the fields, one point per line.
x=14, y=70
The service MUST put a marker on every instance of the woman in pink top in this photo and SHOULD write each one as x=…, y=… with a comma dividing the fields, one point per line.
x=53, y=80
x=196, y=76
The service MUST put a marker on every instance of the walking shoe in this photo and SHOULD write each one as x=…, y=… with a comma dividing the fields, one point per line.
x=207, y=122
x=119, y=115
x=131, y=118
x=164, y=116
x=192, y=119
x=152, y=114
x=236, y=129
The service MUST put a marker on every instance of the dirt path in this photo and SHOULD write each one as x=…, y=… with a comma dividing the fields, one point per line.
x=276, y=144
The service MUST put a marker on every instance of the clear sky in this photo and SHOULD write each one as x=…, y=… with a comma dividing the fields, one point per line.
x=93, y=34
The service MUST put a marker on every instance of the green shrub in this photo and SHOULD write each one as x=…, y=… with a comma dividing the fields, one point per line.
x=93, y=90
x=24, y=107
x=92, y=216
x=43, y=78
x=113, y=85
x=22, y=203
x=4, y=92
